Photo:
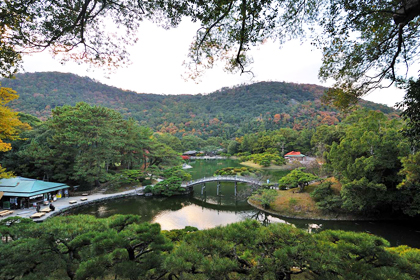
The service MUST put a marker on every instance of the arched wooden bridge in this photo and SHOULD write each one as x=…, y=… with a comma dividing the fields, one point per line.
x=219, y=179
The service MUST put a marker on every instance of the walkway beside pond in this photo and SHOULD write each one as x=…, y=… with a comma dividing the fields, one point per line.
x=208, y=157
x=63, y=204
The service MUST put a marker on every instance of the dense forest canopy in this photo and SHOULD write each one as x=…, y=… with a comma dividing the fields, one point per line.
x=86, y=145
x=81, y=246
x=227, y=113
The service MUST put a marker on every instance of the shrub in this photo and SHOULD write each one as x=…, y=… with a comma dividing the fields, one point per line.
x=266, y=158
x=131, y=176
x=168, y=187
x=244, y=158
x=177, y=171
x=297, y=178
x=283, y=187
x=244, y=171
x=292, y=201
x=267, y=185
x=265, y=197
x=146, y=182
x=325, y=197
x=148, y=189
x=265, y=163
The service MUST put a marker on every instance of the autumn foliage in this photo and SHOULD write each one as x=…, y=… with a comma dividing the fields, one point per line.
x=10, y=125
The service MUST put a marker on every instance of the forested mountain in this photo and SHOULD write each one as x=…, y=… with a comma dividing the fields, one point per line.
x=227, y=112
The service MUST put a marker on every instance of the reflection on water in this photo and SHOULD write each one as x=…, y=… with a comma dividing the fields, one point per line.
x=209, y=210
x=198, y=217
x=178, y=212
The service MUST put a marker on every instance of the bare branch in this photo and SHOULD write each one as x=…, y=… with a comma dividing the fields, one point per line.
x=212, y=26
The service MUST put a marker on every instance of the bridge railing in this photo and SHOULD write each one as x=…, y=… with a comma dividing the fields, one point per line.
x=224, y=178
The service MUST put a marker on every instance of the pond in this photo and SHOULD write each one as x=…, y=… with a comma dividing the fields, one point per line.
x=209, y=210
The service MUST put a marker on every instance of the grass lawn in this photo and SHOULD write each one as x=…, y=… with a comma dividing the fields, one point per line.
x=271, y=167
x=291, y=203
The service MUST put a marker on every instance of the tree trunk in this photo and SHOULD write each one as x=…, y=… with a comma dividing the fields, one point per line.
x=301, y=188
x=408, y=11
x=283, y=276
x=70, y=272
x=131, y=255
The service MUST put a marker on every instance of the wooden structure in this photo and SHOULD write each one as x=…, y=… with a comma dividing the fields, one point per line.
x=294, y=156
x=37, y=215
x=46, y=210
x=190, y=153
x=19, y=192
x=5, y=213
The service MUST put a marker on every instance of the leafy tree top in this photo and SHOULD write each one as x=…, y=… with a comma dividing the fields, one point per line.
x=356, y=37
x=297, y=178
x=10, y=124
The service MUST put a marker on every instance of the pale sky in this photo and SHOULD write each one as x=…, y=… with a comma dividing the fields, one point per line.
x=157, y=66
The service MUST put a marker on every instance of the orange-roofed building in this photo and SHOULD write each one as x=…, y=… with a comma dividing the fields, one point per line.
x=294, y=156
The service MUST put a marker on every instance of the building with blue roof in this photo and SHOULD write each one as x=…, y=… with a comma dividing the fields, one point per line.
x=20, y=192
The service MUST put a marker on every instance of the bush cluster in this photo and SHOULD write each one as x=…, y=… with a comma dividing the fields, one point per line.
x=242, y=171
x=264, y=159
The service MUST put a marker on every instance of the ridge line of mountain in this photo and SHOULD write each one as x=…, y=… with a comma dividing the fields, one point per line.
x=228, y=112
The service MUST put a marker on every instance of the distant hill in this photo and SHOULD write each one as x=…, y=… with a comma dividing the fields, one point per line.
x=227, y=112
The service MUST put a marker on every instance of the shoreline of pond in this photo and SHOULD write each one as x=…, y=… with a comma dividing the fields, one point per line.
x=321, y=218
x=123, y=195
x=62, y=210
x=348, y=218
x=112, y=197
x=118, y=196
x=177, y=214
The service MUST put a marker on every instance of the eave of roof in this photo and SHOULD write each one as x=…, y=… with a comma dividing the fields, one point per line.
x=24, y=187
x=22, y=194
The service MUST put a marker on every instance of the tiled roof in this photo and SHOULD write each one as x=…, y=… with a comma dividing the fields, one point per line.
x=190, y=152
x=25, y=187
x=294, y=154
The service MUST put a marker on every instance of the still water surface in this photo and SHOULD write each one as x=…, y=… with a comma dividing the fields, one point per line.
x=209, y=210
